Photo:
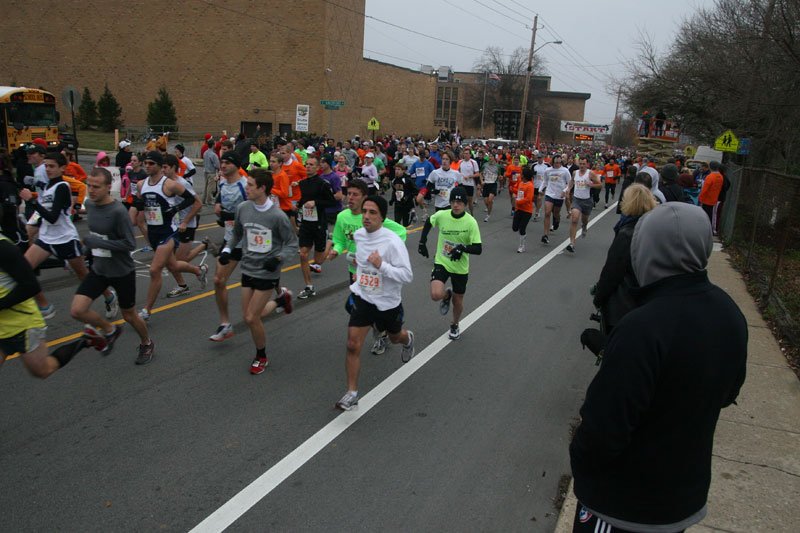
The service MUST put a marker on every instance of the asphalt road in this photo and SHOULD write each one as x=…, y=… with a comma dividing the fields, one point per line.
x=475, y=439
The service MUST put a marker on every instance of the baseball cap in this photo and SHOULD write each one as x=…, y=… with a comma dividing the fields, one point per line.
x=155, y=156
x=230, y=157
x=123, y=144
x=458, y=193
x=36, y=148
x=40, y=142
x=328, y=158
x=369, y=154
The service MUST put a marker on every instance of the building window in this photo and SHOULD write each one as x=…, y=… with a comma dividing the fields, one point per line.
x=446, y=106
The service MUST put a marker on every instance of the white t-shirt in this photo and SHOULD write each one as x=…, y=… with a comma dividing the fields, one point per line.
x=382, y=286
x=555, y=181
x=582, y=184
x=443, y=181
x=370, y=174
x=468, y=168
x=538, y=177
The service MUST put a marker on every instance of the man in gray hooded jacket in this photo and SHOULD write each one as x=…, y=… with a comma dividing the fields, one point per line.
x=641, y=456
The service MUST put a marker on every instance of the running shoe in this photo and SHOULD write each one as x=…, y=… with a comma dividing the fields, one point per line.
x=111, y=338
x=287, y=306
x=521, y=248
x=203, y=277
x=144, y=314
x=349, y=402
x=455, y=332
x=146, y=249
x=112, y=305
x=211, y=246
x=408, y=349
x=178, y=291
x=307, y=293
x=584, y=233
x=413, y=218
x=316, y=268
x=379, y=346
x=486, y=219
x=545, y=239
x=571, y=248
x=94, y=338
x=444, y=305
x=224, y=331
x=535, y=216
x=145, y=353
x=48, y=312
x=258, y=365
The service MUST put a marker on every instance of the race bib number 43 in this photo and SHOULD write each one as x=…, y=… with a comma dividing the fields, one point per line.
x=370, y=280
x=259, y=240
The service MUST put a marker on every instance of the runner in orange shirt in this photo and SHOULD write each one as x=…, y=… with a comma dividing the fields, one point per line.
x=524, y=210
x=612, y=173
x=513, y=173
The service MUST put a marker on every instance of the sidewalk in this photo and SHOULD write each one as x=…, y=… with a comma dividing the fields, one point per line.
x=755, y=473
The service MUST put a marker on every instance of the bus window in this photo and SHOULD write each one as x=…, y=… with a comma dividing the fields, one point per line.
x=29, y=114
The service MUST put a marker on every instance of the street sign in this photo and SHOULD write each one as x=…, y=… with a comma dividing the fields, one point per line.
x=71, y=97
x=744, y=146
x=690, y=151
x=329, y=106
x=331, y=102
x=727, y=142
x=373, y=124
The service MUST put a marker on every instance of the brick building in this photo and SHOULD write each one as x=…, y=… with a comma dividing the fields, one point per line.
x=226, y=65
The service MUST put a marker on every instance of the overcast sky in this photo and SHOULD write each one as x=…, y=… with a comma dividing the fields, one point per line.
x=598, y=36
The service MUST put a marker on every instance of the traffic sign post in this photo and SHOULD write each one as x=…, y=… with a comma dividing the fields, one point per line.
x=72, y=99
x=727, y=142
x=331, y=102
x=331, y=107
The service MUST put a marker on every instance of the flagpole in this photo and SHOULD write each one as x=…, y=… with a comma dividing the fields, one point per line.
x=483, y=108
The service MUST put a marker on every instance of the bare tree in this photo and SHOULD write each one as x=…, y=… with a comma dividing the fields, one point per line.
x=505, y=93
x=735, y=65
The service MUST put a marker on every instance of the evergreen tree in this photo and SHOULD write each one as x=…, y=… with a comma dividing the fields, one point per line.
x=108, y=111
x=161, y=111
x=87, y=111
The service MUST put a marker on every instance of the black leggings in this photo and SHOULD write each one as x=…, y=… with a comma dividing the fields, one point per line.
x=613, y=188
x=520, y=222
x=402, y=214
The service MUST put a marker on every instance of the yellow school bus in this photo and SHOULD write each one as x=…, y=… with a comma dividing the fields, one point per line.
x=25, y=115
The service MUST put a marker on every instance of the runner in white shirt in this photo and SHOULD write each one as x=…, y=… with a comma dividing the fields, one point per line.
x=383, y=267
x=469, y=170
x=440, y=182
x=539, y=169
x=582, y=203
x=555, y=184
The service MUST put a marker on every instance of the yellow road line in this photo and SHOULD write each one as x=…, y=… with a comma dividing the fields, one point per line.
x=169, y=306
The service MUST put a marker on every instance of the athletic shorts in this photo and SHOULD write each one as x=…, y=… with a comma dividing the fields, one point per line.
x=236, y=253
x=470, y=189
x=558, y=202
x=186, y=236
x=259, y=284
x=363, y=314
x=94, y=284
x=65, y=251
x=459, y=281
x=23, y=342
x=489, y=188
x=157, y=237
x=584, y=205
x=313, y=234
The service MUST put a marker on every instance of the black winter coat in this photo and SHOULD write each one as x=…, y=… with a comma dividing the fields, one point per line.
x=613, y=291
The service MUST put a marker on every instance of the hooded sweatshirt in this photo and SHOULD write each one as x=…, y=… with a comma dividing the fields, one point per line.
x=641, y=457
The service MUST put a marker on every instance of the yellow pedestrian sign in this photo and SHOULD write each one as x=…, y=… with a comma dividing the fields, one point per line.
x=373, y=124
x=690, y=151
x=727, y=142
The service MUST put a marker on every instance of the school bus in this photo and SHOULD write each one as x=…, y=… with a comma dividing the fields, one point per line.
x=25, y=115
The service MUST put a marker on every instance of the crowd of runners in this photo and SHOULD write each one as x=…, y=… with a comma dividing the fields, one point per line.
x=319, y=200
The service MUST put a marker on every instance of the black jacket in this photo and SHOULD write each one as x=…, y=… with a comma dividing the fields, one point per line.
x=405, y=185
x=672, y=192
x=642, y=452
x=613, y=291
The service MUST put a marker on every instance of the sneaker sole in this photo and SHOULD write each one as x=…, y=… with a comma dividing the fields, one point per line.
x=228, y=336
x=342, y=408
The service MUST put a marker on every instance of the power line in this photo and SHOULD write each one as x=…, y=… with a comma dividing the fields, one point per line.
x=470, y=13
x=557, y=36
x=499, y=13
x=524, y=7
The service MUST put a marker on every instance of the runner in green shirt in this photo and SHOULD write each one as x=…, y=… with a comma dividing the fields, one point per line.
x=458, y=235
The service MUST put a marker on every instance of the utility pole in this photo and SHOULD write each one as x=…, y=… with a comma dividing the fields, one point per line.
x=527, y=80
x=483, y=109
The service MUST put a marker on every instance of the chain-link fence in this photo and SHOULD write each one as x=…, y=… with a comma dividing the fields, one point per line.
x=190, y=135
x=761, y=224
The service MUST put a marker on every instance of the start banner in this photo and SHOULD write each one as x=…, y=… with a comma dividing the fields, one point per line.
x=584, y=127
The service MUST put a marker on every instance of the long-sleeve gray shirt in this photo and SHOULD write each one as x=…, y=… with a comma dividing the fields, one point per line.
x=264, y=235
x=111, y=239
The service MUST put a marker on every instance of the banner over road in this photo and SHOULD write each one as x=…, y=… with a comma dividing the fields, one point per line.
x=584, y=127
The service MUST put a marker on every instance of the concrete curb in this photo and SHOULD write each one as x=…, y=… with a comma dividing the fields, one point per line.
x=755, y=470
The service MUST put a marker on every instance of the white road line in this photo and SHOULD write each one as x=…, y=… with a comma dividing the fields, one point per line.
x=228, y=513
